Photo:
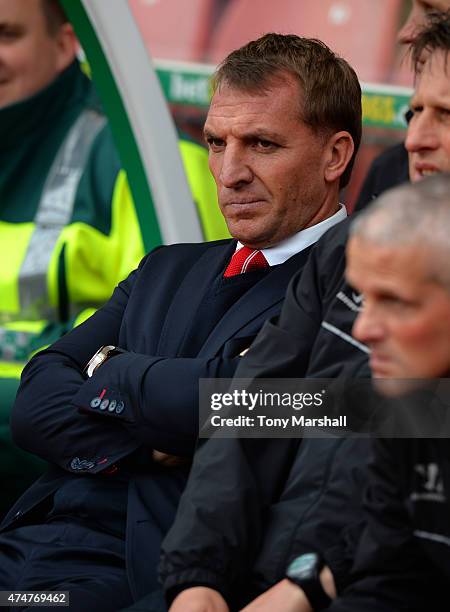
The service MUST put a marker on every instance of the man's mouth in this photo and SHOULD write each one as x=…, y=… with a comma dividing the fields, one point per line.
x=380, y=366
x=425, y=173
x=424, y=170
x=243, y=202
x=242, y=208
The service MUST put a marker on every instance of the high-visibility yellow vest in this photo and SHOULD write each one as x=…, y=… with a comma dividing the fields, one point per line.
x=60, y=266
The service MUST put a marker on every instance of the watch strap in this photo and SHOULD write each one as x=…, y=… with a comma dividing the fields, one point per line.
x=310, y=582
x=316, y=595
x=103, y=354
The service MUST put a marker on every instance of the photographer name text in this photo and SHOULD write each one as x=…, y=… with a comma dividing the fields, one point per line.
x=278, y=422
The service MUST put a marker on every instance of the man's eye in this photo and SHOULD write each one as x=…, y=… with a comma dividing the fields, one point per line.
x=214, y=143
x=265, y=144
x=8, y=34
x=444, y=113
x=409, y=115
x=392, y=301
x=412, y=113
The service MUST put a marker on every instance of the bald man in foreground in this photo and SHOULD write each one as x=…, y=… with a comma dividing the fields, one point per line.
x=399, y=258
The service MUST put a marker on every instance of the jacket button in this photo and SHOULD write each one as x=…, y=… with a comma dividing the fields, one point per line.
x=104, y=405
x=112, y=406
x=17, y=515
x=120, y=407
x=95, y=403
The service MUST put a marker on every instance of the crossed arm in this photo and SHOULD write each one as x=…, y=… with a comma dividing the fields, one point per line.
x=53, y=416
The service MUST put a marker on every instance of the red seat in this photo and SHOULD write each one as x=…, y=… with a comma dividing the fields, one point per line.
x=362, y=31
x=174, y=29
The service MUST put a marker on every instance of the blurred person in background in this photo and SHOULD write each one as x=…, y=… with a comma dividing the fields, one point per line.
x=390, y=168
x=68, y=226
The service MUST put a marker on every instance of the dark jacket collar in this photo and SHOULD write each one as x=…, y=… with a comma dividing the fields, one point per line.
x=19, y=120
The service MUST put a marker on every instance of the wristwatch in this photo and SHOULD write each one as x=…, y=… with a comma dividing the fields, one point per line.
x=103, y=353
x=304, y=571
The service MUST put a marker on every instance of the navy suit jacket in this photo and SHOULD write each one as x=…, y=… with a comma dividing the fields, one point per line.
x=152, y=388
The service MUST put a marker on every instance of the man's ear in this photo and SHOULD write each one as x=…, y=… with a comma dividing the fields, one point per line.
x=67, y=44
x=340, y=149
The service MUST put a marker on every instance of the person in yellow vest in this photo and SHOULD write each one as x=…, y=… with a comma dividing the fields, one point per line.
x=68, y=226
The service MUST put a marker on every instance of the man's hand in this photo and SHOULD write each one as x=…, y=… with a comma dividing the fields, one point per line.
x=285, y=596
x=199, y=599
x=289, y=597
x=168, y=460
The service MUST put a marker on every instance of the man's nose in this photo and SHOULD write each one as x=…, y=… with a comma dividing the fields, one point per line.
x=235, y=171
x=368, y=327
x=422, y=133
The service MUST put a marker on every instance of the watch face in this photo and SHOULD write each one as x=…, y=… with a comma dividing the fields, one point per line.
x=302, y=566
x=304, y=571
x=99, y=357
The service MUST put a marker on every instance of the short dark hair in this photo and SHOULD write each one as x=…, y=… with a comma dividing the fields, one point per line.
x=331, y=99
x=434, y=36
x=54, y=15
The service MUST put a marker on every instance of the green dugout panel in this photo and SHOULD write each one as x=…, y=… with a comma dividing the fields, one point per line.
x=140, y=120
x=188, y=84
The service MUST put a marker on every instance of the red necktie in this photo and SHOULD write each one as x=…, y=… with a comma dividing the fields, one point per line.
x=246, y=260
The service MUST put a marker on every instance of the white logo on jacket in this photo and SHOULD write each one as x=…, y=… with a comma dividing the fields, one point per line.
x=432, y=486
x=355, y=303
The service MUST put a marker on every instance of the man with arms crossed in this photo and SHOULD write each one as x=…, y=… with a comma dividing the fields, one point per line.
x=282, y=131
x=312, y=337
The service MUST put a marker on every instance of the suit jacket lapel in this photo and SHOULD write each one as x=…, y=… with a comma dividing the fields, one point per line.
x=190, y=293
x=256, y=302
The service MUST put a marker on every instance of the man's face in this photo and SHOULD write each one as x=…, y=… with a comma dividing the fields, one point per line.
x=417, y=18
x=405, y=319
x=428, y=137
x=29, y=55
x=268, y=165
